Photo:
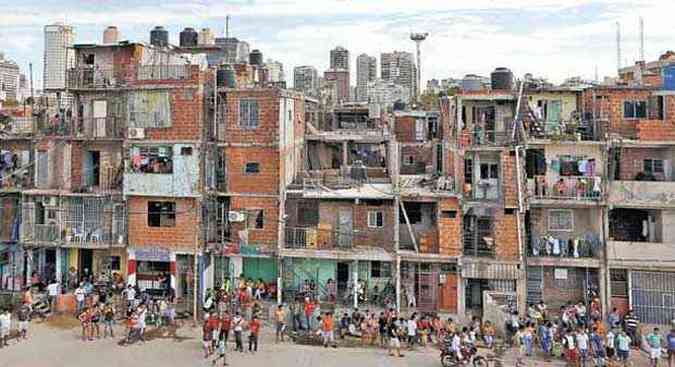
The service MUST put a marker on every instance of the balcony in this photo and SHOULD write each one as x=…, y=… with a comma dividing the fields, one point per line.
x=574, y=188
x=101, y=128
x=481, y=138
x=16, y=127
x=653, y=194
x=316, y=239
x=163, y=72
x=649, y=254
x=45, y=233
x=120, y=76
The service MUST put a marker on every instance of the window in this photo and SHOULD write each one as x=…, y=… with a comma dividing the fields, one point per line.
x=560, y=220
x=634, y=109
x=618, y=282
x=149, y=109
x=248, y=113
x=255, y=219
x=408, y=160
x=656, y=108
x=161, y=214
x=155, y=159
x=252, y=168
x=509, y=211
x=308, y=212
x=489, y=171
x=414, y=211
x=449, y=214
x=653, y=166
x=380, y=269
x=115, y=263
x=569, y=165
x=419, y=130
x=375, y=219
x=186, y=151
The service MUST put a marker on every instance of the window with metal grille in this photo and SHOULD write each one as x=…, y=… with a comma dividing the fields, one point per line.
x=248, y=113
x=653, y=166
x=489, y=170
x=375, y=219
x=161, y=214
x=635, y=109
x=478, y=240
x=380, y=269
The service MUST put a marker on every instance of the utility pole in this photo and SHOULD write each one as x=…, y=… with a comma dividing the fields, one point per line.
x=618, y=46
x=642, y=39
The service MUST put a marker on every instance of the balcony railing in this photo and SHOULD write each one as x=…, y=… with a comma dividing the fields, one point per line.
x=163, y=72
x=18, y=126
x=100, y=128
x=46, y=233
x=99, y=77
x=585, y=188
x=301, y=238
x=297, y=238
x=480, y=137
x=639, y=193
x=588, y=246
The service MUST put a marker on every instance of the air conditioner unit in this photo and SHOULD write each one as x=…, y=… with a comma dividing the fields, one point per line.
x=136, y=133
x=234, y=217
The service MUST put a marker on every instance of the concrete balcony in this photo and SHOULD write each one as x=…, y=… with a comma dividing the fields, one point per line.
x=639, y=194
x=640, y=254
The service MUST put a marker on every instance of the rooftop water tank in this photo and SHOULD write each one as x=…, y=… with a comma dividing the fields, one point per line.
x=255, y=58
x=159, y=37
x=502, y=79
x=471, y=83
x=188, y=37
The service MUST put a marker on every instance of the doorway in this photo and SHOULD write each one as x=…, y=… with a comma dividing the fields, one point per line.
x=474, y=294
x=92, y=168
x=86, y=262
x=342, y=277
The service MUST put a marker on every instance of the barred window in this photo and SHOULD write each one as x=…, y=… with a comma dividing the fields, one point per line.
x=248, y=113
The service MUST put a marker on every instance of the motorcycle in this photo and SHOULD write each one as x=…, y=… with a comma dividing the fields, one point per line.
x=470, y=356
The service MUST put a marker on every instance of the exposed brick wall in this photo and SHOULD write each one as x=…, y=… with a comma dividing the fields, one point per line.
x=506, y=235
x=557, y=293
x=267, y=131
x=266, y=238
x=422, y=158
x=659, y=130
x=187, y=116
x=404, y=129
x=632, y=160
x=450, y=229
x=509, y=178
x=613, y=107
x=77, y=164
x=267, y=181
x=179, y=237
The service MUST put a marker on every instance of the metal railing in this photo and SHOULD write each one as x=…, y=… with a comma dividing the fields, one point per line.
x=18, y=126
x=480, y=137
x=46, y=232
x=103, y=127
x=569, y=188
x=94, y=76
x=296, y=238
x=549, y=246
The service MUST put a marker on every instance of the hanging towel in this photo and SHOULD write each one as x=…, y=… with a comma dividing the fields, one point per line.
x=555, y=165
x=645, y=228
x=583, y=165
x=556, y=247
x=575, y=244
x=590, y=168
x=596, y=184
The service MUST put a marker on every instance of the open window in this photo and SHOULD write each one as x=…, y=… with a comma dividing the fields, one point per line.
x=634, y=109
x=375, y=219
x=255, y=219
x=152, y=159
x=161, y=214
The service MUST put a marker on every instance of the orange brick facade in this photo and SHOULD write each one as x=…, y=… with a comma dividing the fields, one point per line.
x=180, y=237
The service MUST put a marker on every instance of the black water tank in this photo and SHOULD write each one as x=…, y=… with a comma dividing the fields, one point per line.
x=225, y=77
x=188, y=37
x=399, y=105
x=159, y=37
x=255, y=58
x=502, y=79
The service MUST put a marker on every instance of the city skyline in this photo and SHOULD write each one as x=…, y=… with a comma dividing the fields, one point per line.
x=566, y=39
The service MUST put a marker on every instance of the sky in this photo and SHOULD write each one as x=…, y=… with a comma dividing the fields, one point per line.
x=555, y=39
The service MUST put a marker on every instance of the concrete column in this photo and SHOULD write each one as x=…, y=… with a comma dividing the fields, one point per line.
x=208, y=271
x=521, y=291
x=345, y=155
x=237, y=265
x=58, y=264
x=355, y=272
x=602, y=275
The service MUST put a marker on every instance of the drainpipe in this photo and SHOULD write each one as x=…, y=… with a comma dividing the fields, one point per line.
x=521, y=210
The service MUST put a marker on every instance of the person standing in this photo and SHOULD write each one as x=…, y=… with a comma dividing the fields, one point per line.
x=254, y=331
x=79, y=299
x=108, y=319
x=655, y=342
x=614, y=319
x=52, y=294
x=327, y=330
x=5, y=324
x=569, y=341
x=24, y=319
x=623, y=347
x=597, y=348
x=238, y=325
x=130, y=295
x=85, y=321
x=670, y=341
x=207, y=336
x=225, y=325
x=394, y=341
x=412, y=331
x=280, y=319
x=309, y=311
x=582, y=344
x=610, y=342
x=631, y=324
x=222, y=350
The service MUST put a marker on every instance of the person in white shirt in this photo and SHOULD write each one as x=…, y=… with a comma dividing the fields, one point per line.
x=582, y=344
x=5, y=323
x=238, y=324
x=457, y=346
x=130, y=294
x=79, y=298
x=52, y=293
x=412, y=331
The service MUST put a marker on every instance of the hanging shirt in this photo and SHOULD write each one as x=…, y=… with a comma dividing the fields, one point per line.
x=583, y=166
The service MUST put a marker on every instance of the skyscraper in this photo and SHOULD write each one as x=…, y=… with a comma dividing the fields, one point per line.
x=341, y=79
x=399, y=68
x=366, y=71
x=58, y=56
x=9, y=78
x=306, y=80
x=275, y=70
x=339, y=58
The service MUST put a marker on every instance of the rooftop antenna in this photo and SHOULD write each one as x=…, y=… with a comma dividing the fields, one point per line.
x=596, y=73
x=642, y=39
x=418, y=38
x=618, y=45
x=227, y=26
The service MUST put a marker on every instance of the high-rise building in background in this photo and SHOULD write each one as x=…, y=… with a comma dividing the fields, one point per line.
x=339, y=58
x=235, y=51
x=306, y=80
x=9, y=78
x=366, y=72
x=111, y=35
x=205, y=37
x=58, y=56
x=341, y=79
x=275, y=70
x=399, y=68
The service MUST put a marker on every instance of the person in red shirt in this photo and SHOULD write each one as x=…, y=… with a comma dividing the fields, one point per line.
x=327, y=330
x=309, y=311
x=214, y=325
x=225, y=325
x=254, y=329
x=207, y=336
